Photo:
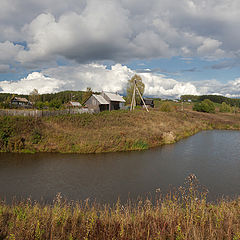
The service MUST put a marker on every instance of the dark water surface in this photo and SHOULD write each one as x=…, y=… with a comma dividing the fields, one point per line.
x=213, y=156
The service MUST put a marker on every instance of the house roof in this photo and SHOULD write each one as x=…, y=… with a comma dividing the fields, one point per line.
x=100, y=99
x=75, y=104
x=114, y=97
x=20, y=99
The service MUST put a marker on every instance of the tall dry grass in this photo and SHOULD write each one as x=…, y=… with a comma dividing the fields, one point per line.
x=183, y=215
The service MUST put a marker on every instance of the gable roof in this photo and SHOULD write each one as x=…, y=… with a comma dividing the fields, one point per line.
x=114, y=97
x=100, y=99
x=19, y=99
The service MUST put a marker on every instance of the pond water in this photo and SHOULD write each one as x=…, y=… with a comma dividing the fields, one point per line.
x=213, y=156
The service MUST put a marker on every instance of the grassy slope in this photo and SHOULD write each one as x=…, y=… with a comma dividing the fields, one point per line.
x=107, y=131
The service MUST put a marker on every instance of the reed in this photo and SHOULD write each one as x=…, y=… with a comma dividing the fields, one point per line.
x=186, y=214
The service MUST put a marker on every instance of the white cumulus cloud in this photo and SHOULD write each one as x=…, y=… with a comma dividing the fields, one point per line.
x=34, y=80
x=115, y=79
x=99, y=78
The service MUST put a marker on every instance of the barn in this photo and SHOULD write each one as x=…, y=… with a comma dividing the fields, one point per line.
x=115, y=101
x=105, y=101
x=97, y=103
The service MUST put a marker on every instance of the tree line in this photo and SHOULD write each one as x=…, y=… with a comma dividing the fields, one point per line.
x=214, y=98
x=50, y=100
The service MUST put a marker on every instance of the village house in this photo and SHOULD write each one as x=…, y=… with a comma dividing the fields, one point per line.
x=21, y=102
x=105, y=101
x=148, y=102
x=115, y=101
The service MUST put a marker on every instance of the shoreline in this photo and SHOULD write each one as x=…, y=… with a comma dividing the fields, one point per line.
x=117, y=131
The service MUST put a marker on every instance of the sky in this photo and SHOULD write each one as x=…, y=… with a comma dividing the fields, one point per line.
x=177, y=46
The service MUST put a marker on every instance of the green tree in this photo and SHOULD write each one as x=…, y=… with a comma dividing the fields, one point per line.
x=205, y=106
x=87, y=94
x=34, y=96
x=140, y=85
x=55, y=103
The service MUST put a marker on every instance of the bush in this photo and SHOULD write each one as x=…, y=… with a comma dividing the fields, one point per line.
x=55, y=103
x=205, y=106
x=41, y=105
x=225, y=107
x=166, y=107
x=36, y=136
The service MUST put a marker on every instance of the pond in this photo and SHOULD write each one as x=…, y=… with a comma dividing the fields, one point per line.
x=213, y=156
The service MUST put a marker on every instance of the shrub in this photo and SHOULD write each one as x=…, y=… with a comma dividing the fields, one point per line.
x=41, y=105
x=166, y=107
x=205, y=106
x=36, y=136
x=225, y=107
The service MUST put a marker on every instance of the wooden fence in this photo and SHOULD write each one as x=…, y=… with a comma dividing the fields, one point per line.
x=42, y=113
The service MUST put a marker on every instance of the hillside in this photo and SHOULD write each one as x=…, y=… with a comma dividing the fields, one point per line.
x=106, y=131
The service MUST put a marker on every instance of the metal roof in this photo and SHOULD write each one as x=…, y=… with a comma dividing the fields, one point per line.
x=114, y=97
x=75, y=104
x=100, y=99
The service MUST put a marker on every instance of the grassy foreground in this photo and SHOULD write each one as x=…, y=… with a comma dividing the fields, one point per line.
x=183, y=215
x=107, y=131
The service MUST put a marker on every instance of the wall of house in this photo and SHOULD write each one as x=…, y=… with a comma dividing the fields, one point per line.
x=121, y=105
x=92, y=103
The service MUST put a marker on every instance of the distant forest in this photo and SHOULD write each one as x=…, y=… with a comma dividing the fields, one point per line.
x=214, y=98
x=64, y=96
x=51, y=100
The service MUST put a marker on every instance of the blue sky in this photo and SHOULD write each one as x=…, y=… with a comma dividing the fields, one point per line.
x=188, y=69
x=177, y=46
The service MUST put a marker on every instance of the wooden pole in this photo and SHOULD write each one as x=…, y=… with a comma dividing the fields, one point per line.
x=142, y=99
x=133, y=98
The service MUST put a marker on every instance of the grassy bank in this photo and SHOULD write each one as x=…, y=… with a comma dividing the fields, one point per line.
x=183, y=215
x=107, y=131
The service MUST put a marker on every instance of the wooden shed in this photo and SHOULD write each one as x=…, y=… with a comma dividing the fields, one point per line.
x=115, y=101
x=73, y=104
x=149, y=102
x=97, y=103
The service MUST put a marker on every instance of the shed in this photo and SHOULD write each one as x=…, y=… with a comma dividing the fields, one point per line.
x=97, y=103
x=74, y=104
x=149, y=102
x=114, y=99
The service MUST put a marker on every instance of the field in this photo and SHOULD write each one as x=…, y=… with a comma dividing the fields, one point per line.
x=107, y=131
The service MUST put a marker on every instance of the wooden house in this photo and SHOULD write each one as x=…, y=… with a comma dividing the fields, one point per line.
x=149, y=102
x=105, y=101
x=21, y=102
x=97, y=103
x=115, y=101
